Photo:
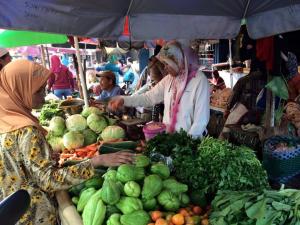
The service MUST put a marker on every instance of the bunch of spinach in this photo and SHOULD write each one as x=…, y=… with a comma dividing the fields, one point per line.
x=268, y=207
x=165, y=143
x=218, y=165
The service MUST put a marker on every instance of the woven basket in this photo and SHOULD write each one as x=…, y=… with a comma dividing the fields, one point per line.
x=282, y=165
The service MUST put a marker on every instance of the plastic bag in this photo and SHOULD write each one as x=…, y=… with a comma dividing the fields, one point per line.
x=279, y=87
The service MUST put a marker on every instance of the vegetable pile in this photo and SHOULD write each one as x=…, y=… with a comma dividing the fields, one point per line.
x=262, y=208
x=75, y=137
x=129, y=193
x=210, y=165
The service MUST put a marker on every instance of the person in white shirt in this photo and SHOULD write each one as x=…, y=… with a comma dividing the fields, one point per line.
x=184, y=91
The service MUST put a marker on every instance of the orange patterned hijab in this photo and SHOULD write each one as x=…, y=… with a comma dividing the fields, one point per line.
x=19, y=80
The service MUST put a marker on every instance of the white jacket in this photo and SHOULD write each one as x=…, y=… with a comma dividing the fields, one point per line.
x=194, y=107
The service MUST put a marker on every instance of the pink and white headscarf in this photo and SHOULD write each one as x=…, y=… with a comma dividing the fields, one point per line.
x=173, y=54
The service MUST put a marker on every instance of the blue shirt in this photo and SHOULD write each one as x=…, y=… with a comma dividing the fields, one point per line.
x=111, y=67
x=105, y=95
x=129, y=76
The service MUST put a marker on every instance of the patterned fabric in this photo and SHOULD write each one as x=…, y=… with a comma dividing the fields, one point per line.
x=25, y=163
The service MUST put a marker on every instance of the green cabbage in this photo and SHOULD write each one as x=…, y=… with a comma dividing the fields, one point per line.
x=111, y=133
x=90, y=137
x=56, y=143
x=76, y=123
x=89, y=110
x=73, y=140
x=96, y=123
x=57, y=126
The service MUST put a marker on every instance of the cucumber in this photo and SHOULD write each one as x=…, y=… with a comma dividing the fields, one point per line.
x=122, y=144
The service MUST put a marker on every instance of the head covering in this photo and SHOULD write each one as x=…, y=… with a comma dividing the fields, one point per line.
x=19, y=80
x=3, y=52
x=292, y=65
x=109, y=75
x=174, y=56
x=56, y=65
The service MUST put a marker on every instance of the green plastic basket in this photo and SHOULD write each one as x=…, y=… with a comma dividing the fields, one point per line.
x=282, y=165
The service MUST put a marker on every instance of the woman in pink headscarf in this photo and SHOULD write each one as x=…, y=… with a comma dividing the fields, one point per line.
x=61, y=80
x=184, y=91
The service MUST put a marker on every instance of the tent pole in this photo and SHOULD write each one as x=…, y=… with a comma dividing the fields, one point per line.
x=230, y=64
x=43, y=55
x=48, y=58
x=83, y=84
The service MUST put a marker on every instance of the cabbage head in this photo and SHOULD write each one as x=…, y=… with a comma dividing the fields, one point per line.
x=76, y=123
x=111, y=133
x=56, y=143
x=73, y=140
x=96, y=122
x=90, y=137
x=57, y=126
x=89, y=110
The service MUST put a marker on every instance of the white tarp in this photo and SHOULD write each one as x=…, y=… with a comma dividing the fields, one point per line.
x=150, y=19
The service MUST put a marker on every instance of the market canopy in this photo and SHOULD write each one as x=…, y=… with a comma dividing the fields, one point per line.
x=148, y=20
x=14, y=38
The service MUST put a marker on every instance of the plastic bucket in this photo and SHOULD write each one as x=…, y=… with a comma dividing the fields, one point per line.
x=152, y=129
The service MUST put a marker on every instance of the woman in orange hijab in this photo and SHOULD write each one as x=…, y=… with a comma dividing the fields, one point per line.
x=25, y=156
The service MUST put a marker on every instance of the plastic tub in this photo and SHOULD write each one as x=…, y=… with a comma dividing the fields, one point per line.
x=152, y=129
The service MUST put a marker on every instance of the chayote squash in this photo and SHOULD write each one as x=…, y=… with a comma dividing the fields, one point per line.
x=111, y=209
x=174, y=186
x=160, y=169
x=110, y=192
x=121, y=187
x=149, y=205
x=184, y=199
x=95, y=182
x=169, y=201
x=128, y=172
x=111, y=174
x=152, y=186
x=142, y=161
x=84, y=198
x=139, y=217
x=129, y=204
x=114, y=219
x=132, y=189
x=94, y=211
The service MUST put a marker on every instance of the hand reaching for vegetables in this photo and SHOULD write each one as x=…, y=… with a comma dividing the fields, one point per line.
x=116, y=103
x=113, y=159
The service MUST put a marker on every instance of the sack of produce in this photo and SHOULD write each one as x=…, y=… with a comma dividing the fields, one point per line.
x=281, y=157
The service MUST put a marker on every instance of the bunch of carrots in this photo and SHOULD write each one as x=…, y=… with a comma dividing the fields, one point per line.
x=79, y=154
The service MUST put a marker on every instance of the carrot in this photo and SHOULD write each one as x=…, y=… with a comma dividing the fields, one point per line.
x=66, y=155
x=91, y=154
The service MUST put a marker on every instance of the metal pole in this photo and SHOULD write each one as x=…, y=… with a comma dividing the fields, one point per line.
x=230, y=64
x=83, y=84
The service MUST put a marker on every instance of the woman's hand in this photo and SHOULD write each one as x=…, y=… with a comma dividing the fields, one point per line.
x=116, y=103
x=113, y=159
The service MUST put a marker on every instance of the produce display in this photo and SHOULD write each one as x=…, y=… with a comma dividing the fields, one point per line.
x=210, y=165
x=136, y=194
x=173, y=181
x=262, y=208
